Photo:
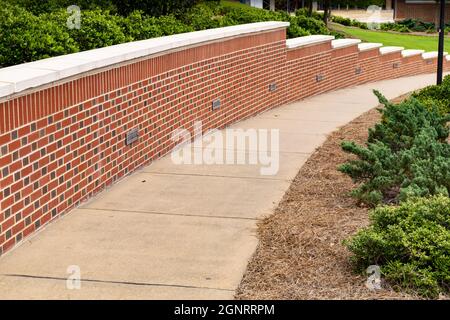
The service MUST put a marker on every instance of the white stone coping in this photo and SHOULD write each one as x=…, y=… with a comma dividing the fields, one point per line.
x=447, y=57
x=307, y=41
x=387, y=50
x=343, y=43
x=411, y=52
x=27, y=75
x=369, y=46
x=432, y=54
x=6, y=89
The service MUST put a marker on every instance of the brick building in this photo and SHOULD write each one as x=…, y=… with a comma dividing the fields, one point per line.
x=425, y=10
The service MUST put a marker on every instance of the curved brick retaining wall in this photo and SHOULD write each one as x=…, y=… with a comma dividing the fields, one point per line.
x=64, y=120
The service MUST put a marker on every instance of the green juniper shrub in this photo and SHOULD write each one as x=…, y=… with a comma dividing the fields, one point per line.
x=411, y=244
x=402, y=122
x=406, y=155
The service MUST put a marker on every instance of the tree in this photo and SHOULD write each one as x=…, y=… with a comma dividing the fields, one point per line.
x=326, y=10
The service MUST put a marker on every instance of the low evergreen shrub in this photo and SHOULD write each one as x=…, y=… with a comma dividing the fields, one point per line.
x=436, y=96
x=406, y=155
x=410, y=243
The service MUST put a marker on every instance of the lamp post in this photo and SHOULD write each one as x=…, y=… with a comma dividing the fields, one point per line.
x=441, y=43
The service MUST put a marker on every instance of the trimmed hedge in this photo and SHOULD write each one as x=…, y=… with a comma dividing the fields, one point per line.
x=26, y=37
x=411, y=244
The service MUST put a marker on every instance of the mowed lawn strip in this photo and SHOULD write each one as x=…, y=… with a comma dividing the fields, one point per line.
x=409, y=41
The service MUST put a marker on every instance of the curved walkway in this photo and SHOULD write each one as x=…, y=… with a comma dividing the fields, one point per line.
x=180, y=231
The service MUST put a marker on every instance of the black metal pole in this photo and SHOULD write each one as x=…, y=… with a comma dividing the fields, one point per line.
x=441, y=43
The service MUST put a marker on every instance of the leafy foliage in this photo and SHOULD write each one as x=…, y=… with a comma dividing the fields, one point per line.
x=154, y=8
x=411, y=244
x=25, y=37
x=407, y=155
x=46, y=6
x=32, y=30
x=348, y=22
x=436, y=96
x=98, y=29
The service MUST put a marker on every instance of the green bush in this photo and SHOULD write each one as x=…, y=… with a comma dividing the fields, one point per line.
x=313, y=26
x=24, y=37
x=27, y=37
x=140, y=27
x=436, y=96
x=170, y=25
x=411, y=244
x=98, y=29
x=409, y=25
x=203, y=16
x=406, y=155
x=46, y=6
x=154, y=8
x=341, y=20
x=305, y=12
x=348, y=22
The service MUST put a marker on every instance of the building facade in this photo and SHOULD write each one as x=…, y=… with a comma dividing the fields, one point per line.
x=425, y=10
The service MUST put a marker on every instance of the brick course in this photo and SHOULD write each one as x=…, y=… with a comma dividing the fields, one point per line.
x=63, y=143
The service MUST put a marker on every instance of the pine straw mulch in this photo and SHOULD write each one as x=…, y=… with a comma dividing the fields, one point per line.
x=300, y=253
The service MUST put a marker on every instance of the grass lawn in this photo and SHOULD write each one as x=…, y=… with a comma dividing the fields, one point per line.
x=427, y=43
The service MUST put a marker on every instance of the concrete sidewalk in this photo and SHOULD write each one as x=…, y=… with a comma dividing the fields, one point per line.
x=181, y=231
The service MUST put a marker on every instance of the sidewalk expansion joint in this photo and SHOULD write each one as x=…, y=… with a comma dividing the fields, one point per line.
x=171, y=214
x=130, y=283
x=213, y=176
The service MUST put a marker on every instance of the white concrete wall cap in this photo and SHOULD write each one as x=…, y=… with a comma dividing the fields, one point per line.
x=307, y=41
x=431, y=54
x=33, y=74
x=369, y=46
x=343, y=43
x=411, y=52
x=387, y=50
x=6, y=89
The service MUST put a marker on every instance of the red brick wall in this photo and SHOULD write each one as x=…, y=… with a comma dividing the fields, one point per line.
x=61, y=144
x=421, y=11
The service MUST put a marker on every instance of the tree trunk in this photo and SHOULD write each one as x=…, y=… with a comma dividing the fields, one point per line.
x=326, y=11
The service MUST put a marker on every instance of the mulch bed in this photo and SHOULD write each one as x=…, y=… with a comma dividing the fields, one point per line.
x=300, y=253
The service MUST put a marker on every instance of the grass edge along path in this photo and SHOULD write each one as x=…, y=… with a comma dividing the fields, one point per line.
x=408, y=41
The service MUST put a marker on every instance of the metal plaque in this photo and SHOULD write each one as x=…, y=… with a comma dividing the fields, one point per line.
x=216, y=104
x=132, y=136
